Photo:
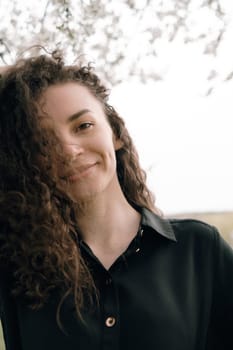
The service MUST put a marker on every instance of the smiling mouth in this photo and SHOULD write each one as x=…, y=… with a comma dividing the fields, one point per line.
x=79, y=173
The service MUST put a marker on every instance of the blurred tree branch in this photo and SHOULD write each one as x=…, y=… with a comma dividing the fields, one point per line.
x=119, y=37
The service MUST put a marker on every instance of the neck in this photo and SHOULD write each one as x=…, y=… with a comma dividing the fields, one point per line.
x=107, y=223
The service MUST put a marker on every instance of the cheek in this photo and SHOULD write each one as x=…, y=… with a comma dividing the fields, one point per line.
x=110, y=151
x=50, y=162
x=103, y=141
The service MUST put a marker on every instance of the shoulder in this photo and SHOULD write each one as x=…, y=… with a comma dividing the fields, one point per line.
x=197, y=238
x=187, y=236
x=202, y=238
x=193, y=229
x=179, y=229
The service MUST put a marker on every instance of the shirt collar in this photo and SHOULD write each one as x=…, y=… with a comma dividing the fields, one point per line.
x=157, y=223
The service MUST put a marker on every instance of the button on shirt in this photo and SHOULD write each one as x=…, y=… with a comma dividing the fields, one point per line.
x=171, y=289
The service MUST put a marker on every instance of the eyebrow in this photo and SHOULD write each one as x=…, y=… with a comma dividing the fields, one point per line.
x=77, y=115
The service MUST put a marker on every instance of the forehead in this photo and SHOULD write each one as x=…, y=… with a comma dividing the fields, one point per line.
x=68, y=98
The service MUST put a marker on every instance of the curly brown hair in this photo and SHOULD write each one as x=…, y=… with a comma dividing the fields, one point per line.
x=39, y=233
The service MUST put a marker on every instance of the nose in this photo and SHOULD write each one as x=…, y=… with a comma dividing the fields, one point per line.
x=72, y=150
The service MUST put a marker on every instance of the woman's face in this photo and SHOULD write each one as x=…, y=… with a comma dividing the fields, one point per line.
x=87, y=140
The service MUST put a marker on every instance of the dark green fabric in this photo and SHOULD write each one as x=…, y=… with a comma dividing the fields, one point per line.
x=171, y=289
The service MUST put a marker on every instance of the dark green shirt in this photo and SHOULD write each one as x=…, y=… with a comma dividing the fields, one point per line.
x=171, y=289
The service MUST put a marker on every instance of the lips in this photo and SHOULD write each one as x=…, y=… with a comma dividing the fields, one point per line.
x=78, y=172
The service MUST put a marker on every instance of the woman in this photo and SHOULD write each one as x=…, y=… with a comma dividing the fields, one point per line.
x=87, y=261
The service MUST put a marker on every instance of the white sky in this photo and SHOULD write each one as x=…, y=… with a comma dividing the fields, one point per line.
x=185, y=140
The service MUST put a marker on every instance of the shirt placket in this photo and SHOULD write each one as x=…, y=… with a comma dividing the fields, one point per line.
x=111, y=315
x=109, y=295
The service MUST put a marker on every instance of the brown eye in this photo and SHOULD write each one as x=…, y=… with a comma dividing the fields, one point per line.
x=83, y=126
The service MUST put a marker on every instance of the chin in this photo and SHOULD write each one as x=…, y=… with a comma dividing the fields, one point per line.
x=84, y=196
